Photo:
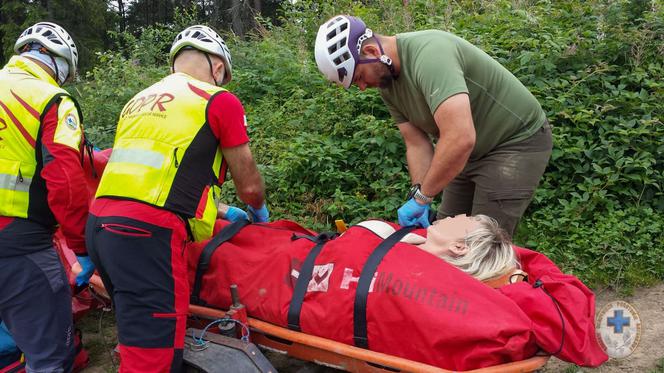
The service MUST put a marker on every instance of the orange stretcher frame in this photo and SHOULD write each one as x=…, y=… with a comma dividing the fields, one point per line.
x=331, y=353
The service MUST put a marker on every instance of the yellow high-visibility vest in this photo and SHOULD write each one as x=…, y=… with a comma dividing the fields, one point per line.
x=165, y=153
x=27, y=92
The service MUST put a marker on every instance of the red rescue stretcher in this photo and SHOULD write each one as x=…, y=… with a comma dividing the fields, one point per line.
x=328, y=352
x=324, y=351
x=581, y=348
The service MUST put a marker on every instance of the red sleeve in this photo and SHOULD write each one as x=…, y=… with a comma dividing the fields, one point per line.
x=227, y=119
x=67, y=191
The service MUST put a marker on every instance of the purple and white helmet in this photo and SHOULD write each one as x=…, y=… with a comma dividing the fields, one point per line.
x=338, y=46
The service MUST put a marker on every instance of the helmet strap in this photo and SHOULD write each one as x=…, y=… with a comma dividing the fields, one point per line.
x=207, y=55
x=384, y=59
x=57, y=73
x=40, y=53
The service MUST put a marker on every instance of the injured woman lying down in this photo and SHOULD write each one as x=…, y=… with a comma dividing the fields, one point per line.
x=431, y=297
x=474, y=244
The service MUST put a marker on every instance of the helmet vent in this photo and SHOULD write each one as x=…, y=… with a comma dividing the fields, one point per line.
x=331, y=34
x=341, y=43
x=342, y=58
x=334, y=20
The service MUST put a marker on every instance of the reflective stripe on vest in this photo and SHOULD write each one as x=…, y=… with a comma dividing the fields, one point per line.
x=13, y=182
x=165, y=153
x=142, y=157
x=26, y=92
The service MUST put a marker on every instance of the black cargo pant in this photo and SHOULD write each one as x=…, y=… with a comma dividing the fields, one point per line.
x=501, y=184
x=35, y=299
x=143, y=268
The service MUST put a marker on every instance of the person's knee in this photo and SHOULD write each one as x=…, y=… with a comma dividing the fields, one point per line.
x=506, y=206
x=508, y=223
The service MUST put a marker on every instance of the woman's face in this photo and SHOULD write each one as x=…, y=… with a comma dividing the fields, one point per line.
x=443, y=235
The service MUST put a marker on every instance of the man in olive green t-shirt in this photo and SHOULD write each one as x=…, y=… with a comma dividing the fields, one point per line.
x=492, y=139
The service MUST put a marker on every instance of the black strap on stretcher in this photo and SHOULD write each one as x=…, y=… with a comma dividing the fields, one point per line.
x=224, y=235
x=306, y=271
x=362, y=292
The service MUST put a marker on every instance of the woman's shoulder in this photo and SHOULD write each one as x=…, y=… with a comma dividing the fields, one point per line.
x=384, y=229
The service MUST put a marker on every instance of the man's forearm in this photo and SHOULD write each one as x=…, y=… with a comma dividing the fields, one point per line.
x=419, y=160
x=457, y=140
x=448, y=161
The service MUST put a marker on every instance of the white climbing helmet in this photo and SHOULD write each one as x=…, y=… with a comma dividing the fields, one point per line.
x=55, y=39
x=204, y=39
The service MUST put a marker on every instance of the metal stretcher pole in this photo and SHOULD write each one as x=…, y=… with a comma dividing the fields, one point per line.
x=339, y=348
x=405, y=365
x=325, y=344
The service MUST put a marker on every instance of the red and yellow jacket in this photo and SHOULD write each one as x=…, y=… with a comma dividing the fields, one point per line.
x=41, y=143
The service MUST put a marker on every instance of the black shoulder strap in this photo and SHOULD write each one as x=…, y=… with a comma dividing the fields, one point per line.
x=306, y=271
x=87, y=145
x=206, y=256
x=56, y=100
x=362, y=292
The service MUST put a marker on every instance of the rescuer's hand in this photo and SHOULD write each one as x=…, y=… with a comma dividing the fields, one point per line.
x=260, y=215
x=413, y=213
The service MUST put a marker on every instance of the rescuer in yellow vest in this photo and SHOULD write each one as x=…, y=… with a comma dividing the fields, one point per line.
x=41, y=186
x=174, y=143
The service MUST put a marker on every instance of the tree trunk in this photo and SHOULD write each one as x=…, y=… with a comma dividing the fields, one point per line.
x=236, y=16
x=121, y=13
x=48, y=6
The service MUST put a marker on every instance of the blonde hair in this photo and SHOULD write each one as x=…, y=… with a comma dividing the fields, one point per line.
x=490, y=253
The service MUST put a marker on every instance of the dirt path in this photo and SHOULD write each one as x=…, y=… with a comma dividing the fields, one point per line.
x=647, y=358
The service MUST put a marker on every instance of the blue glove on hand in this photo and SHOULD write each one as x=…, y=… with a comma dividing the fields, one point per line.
x=259, y=216
x=7, y=344
x=413, y=213
x=235, y=214
x=87, y=269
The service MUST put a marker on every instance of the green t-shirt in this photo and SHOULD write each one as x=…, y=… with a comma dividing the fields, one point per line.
x=436, y=65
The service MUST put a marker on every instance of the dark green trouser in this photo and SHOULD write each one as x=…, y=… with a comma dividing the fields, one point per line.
x=501, y=183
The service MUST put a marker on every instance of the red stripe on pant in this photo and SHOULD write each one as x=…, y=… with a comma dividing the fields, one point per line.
x=139, y=252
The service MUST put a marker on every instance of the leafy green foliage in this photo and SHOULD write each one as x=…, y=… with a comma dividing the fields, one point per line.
x=136, y=63
x=616, y=248
x=327, y=153
x=15, y=16
x=86, y=20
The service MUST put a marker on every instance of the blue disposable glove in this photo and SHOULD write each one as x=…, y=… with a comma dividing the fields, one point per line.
x=7, y=344
x=234, y=214
x=413, y=213
x=87, y=269
x=260, y=215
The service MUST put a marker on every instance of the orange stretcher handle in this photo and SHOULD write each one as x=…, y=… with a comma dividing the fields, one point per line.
x=527, y=365
x=379, y=358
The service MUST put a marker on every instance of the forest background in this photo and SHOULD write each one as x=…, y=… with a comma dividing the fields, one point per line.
x=596, y=66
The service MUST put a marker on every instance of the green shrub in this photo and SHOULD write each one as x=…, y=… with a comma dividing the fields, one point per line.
x=328, y=153
x=615, y=248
